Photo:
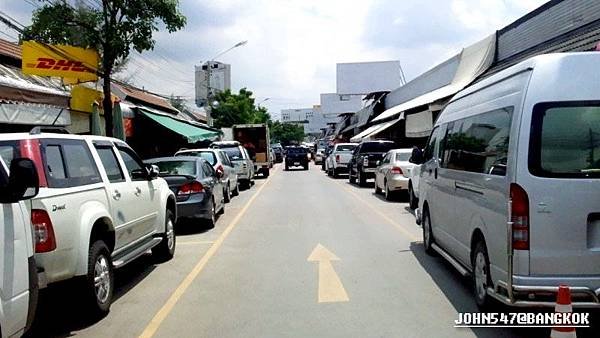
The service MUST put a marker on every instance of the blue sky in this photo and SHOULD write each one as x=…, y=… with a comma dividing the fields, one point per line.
x=293, y=45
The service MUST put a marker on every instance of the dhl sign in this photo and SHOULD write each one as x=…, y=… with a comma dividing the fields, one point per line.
x=72, y=63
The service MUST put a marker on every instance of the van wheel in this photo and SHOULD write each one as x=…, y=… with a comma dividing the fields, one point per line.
x=481, y=275
x=427, y=234
x=412, y=199
x=165, y=250
x=99, y=281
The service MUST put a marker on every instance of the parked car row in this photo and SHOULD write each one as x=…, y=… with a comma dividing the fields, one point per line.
x=504, y=188
x=95, y=206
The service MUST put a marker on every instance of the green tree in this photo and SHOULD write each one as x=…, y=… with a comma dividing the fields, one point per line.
x=113, y=29
x=286, y=133
x=237, y=109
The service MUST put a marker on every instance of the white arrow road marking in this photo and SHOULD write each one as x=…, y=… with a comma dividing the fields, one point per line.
x=330, y=286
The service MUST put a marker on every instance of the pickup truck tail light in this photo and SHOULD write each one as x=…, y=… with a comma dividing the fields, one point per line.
x=396, y=170
x=366, y=161
x=43, y=231
x=337, y=158
x=519, y=217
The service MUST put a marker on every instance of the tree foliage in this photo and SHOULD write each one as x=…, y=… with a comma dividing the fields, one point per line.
x=113, y=29
x=237, y=109
x=286, y=133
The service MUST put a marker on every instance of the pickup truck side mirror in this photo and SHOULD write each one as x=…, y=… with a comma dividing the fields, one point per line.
x=417, y=156
x=153, y=171
x=23, y=182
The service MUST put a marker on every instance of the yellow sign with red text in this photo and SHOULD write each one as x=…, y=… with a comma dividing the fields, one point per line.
x=74, y=64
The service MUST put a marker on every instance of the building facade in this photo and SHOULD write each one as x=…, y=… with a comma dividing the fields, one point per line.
x=220, y=80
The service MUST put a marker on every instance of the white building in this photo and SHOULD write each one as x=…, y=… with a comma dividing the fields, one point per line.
x=312, y=119
x=220, y=80
x=367, y=77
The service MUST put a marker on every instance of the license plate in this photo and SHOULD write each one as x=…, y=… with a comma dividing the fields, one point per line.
x=296, y=163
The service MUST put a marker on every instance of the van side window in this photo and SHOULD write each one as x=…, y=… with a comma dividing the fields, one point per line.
x=430, y=148
x=565, y=140
x=479, y=143
x=69, y=163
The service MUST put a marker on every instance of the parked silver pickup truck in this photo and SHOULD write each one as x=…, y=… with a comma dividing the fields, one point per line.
x=337, y=161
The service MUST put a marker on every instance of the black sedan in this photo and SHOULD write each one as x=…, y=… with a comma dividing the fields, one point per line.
x=196, y=185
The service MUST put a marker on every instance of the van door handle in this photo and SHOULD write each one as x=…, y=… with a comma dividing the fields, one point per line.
x=117, y=195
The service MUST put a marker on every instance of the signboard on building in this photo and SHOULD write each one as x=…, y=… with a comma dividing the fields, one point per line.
x=71, y=63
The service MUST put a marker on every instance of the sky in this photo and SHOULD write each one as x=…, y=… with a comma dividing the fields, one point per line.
x=294, y=45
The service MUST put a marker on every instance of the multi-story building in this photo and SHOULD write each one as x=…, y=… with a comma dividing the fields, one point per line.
x=220, y=80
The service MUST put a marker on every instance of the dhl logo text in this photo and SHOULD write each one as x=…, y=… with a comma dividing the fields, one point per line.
x=74, y=66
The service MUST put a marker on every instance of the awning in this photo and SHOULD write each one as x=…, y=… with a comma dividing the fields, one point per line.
x=190, y=132
x=382, y=127
x=419, y=124
x=474, y=61
x=365, y=132
x=34, y=114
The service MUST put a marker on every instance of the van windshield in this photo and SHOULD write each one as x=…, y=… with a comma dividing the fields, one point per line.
x=566, y=140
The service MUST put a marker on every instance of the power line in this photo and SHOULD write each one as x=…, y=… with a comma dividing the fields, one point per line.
x=9, y=36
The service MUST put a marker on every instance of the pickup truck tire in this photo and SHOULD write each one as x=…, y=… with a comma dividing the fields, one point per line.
x=351, y=178
x=306, y=167
x=99, y=281
x=266, y=172
x=165, y=250
x=361, y=178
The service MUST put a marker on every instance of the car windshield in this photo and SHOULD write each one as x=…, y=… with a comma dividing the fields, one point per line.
x=377, y=147
x=208, y=155
x=345, y=147
x=174, y=167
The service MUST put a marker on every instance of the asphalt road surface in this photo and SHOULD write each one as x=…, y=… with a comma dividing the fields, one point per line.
x=297, y=255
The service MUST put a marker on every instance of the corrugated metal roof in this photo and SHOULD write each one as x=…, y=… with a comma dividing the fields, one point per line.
x=135, y=94
x=10, y=49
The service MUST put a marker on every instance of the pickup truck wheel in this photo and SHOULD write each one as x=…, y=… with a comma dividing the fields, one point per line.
x=165, y=250
x=99, y=281
x=351, y=178
x=227, y=194
x=412, y=199
x=266, y=173
x=306, y=166
x=362, y=181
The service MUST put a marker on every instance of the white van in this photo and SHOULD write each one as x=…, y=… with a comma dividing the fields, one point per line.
x=510, y=182
x=18, y=273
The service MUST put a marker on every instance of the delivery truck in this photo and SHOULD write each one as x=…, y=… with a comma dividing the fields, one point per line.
x=255, y=138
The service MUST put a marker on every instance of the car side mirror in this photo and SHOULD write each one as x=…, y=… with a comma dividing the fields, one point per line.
x=417, y=156
x=23, y=182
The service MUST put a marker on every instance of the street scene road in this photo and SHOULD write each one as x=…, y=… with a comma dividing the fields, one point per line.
x=250, y=276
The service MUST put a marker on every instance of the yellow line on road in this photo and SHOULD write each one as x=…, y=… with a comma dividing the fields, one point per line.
x=160, y=316
x=405, y=232
x=194, y=242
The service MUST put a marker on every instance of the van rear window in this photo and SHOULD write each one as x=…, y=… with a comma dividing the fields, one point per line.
x=565, y=140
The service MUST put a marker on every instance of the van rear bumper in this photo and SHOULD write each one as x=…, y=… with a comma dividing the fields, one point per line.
x=542, y=291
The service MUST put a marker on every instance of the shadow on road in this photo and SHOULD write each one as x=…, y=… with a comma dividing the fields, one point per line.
x=60, y=311
x=458, y=290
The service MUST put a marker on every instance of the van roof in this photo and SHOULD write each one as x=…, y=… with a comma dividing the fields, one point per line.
x=552, y=61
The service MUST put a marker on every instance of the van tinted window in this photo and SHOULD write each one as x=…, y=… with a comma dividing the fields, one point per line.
x=478, y=143
x=565, y=140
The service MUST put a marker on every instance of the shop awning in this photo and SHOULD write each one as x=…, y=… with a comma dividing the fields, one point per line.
x=419, y=124
x=383, y=126
x=190, y=132
x=365, y=132
x=474, y=61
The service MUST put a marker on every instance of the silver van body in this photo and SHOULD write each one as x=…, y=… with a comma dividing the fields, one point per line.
x=513, y=162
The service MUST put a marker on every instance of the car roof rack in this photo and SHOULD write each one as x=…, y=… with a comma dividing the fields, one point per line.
x=49, y=129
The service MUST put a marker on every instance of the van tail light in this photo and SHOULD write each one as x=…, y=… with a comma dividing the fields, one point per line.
x=396, y=170
x=31, y=149
x=188, y=189
x=43, y=231
x=519, y=217
x=337, y=158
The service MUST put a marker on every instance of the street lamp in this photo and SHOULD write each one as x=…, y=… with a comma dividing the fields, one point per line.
x=258, y=104
x=209, y=93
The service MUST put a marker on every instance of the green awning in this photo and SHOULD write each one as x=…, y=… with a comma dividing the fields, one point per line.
x=190, y=132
